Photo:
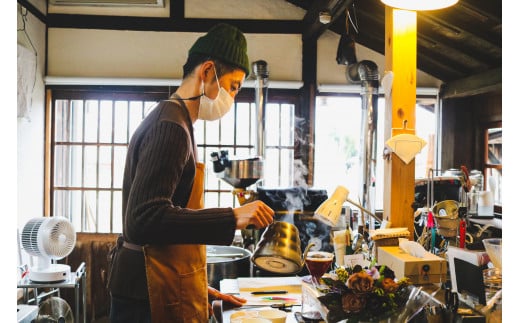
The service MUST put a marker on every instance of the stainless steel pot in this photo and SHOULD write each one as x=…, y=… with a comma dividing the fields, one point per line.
x=241, y=173
x=227, y=262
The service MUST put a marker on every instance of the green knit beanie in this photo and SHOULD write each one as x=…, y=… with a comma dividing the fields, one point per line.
x=224, y=42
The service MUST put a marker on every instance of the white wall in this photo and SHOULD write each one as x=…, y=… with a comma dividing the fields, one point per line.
x=148, y=54
x=30, y=126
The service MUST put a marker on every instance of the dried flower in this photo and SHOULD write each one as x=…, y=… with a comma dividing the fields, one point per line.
x=362, y=297
x=374, y=272
x=389, y=285
x=360, y=282
x=376, y=304
x=353, y=302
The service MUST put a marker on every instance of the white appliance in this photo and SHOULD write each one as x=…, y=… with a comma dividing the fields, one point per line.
x=48, y=239
x=26, y=313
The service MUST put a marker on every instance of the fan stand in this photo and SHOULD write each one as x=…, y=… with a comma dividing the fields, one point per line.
x=55, y=273
x=76, y=281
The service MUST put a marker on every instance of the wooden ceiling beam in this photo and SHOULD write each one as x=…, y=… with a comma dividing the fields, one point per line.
x=313, y=27
x=437, y=68
x=169, y=24
x=458, y=38
x=488, y=81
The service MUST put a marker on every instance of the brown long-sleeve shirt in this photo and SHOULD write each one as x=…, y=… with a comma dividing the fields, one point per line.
x=158, y=178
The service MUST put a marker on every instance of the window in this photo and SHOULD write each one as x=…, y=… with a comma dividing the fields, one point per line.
x=493, y=161
x=90, y=134
x=337, y=133
x=236, y=133
x=91, y=130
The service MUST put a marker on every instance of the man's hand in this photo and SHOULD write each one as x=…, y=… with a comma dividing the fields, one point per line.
x=255, y=213
x=214, y=294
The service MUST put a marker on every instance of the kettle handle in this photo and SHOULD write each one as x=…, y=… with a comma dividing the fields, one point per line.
x=309, y=246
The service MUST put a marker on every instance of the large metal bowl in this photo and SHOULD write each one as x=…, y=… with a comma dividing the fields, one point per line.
x=243, y=172
x=446, y=215
x=447, y=209
x=227, y=262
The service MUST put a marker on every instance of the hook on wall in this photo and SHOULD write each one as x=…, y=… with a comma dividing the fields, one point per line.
x=24, y=12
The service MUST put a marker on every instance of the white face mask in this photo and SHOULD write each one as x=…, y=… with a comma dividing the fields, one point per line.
x=213, y=109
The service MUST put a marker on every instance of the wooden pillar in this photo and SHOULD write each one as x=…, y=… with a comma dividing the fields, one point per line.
x=401, y=59
x=47, y=172
x=304, y=147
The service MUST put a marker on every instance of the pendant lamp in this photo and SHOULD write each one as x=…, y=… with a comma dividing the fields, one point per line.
x=419, y=5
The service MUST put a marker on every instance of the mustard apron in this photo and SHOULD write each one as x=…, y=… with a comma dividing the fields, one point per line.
x=177, y=274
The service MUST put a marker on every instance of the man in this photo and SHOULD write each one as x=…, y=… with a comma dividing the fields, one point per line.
x=158, y=271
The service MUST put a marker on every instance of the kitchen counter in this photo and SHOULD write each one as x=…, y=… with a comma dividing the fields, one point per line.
x=296, y=287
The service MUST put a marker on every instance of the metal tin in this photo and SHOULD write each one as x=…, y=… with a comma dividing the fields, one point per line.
x=227, y=262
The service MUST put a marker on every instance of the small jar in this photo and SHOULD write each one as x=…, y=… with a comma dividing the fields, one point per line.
x=477, y=179
x=473, y=196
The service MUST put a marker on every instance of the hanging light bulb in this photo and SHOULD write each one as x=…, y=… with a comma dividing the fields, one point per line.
x=419, y=5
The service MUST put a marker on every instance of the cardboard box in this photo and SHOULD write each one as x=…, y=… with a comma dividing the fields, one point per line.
x=428, y=270
x=387, y=237
x=384, y=243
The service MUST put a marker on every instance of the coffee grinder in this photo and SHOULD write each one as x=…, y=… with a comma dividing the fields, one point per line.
x=240, y=173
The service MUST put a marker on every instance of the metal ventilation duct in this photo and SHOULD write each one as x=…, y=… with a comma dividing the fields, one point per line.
x=366, y=73
x=261, y=74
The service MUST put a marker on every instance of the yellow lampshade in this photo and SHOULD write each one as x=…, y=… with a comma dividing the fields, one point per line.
x=419, y=4
x=330, y=210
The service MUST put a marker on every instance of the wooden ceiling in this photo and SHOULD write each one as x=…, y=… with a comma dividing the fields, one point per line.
x=460, y=45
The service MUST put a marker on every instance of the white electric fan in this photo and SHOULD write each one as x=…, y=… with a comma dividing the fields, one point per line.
x=48, y=239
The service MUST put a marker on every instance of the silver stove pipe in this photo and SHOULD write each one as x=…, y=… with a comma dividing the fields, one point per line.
x=366, y=73
x=261, y=74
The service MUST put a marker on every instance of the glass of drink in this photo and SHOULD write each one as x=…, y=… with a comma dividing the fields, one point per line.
x=318, y=262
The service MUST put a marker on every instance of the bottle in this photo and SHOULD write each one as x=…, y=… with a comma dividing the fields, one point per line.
x=238, y=240
x=348, y=240
x=357, y=241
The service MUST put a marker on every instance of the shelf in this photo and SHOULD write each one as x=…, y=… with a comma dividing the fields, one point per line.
x=76, y=280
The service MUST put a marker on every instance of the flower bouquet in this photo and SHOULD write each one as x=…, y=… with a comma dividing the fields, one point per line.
x=367, y=295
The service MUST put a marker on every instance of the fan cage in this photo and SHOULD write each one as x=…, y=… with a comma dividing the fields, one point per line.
x=61, y=240
x=30, y=236
x=52, y=238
